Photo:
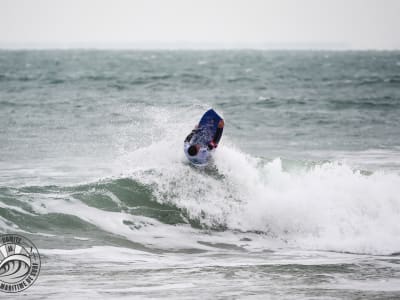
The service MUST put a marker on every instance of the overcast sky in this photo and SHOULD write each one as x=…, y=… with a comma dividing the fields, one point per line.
x=354, y=24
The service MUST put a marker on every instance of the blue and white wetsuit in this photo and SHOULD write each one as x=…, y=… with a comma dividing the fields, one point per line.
x=207, y=136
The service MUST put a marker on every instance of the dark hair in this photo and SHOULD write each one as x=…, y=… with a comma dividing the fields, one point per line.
x=192, y=150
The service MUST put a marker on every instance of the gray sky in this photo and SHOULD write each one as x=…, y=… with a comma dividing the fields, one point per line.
x=354, y=24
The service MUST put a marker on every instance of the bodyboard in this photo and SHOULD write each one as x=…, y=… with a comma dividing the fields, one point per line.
x=207, y=127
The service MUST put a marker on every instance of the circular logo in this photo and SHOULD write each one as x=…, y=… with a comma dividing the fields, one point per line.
x=19, y=263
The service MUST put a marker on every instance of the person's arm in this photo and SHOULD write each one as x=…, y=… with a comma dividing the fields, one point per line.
x=189, y=137
x=217, y=135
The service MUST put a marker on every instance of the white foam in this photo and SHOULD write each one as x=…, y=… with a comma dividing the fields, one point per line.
x=328, y=207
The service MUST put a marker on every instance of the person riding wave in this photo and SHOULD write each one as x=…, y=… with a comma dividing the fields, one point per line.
x=199, y=139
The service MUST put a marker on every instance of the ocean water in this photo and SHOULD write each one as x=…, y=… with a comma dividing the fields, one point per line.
x=302, y=200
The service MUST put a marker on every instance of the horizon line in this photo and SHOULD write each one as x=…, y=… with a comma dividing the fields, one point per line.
x=187, y=46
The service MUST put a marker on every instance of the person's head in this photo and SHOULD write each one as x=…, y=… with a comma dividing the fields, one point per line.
x=193, y=150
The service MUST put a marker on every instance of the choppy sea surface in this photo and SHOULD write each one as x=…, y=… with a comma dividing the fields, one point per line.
x=302, y=200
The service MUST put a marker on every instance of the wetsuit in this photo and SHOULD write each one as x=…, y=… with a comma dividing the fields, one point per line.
x=206, y=141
